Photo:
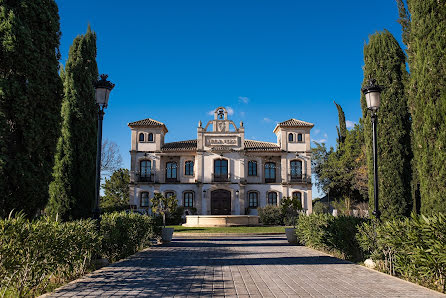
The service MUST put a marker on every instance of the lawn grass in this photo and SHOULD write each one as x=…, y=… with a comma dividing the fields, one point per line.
x=230, y=230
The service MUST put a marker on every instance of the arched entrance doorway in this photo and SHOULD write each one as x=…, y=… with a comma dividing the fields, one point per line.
x=221, y=202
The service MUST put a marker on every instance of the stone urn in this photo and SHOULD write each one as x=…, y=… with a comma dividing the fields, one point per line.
x=166, y=234
x=291, y=235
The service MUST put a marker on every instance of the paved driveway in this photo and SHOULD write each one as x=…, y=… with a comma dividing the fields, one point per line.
x=248, y=266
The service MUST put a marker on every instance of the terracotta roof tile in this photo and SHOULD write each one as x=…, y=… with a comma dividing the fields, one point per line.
x=294, y=122
x=189, y=145
x=146, y=122
x=261, y=146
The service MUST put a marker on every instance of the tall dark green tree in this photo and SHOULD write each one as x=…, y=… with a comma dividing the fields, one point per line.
x=342, y=128
x=385, y=61
x=116, y=191
x=72, y=190
x=30, y=98
x=424, y=27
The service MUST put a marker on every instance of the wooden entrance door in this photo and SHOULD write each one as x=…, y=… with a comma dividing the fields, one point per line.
x=220, y=202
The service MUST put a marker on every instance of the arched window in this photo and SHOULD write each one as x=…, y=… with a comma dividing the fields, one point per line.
x=272, y=198
x=169, y=194
x=290, y=137
x=297, y=195
x=270, y=172
x=252, y=168
x=188, y=199
x=189, y=168
x=150, y=137
x=145, y=170
x=220, y=170
x=171, y=171
x=144, y=199
x=300, y=137
x=296, y=169
x=141, y=137
x=253, y=198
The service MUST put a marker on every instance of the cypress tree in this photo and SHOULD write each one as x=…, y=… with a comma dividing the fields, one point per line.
x=72, y=190
x=424, y=27
x=385, y=61
x=342, y=128
x=30, y=98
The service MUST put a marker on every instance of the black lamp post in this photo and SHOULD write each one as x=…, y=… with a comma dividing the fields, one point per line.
x=372, y=92
x=102, y=88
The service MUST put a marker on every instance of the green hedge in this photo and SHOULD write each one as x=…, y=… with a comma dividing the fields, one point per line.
x=40, y=254
x=126, y=233
x=333, y=234
x=271, y=215
x=413, y=248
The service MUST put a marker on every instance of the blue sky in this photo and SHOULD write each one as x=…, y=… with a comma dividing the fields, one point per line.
x=174, y=61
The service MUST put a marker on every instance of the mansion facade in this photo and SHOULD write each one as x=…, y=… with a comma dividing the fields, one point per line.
x=220, y=172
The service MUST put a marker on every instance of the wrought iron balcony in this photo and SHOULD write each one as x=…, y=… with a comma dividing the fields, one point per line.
x=300, y=178
x=270, y=180
x=220, y=177
x=145, y=177
x=172, y=180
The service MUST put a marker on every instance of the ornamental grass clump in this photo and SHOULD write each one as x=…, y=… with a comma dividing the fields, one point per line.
x=34, y=254
x=413, y=248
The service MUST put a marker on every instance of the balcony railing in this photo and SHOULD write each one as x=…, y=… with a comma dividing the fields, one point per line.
x=172, y=180
x=300, y=178
x=145, y=177
x=220, y=177
x=270, y=180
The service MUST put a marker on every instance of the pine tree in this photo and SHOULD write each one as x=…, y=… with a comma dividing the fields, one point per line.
x=73, y=188
x=116, y=191
x=424, y=27
x=30, y=98
x=342, y=128
x=385, y=61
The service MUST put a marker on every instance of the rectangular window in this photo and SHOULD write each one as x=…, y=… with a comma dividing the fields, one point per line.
x=145, y=199
x=272, y=198
x=252, y=168
x=188, y=199
x=253, y=200
x=189, y=168
x=299, y=137
x=270, y=172
x=171, y=170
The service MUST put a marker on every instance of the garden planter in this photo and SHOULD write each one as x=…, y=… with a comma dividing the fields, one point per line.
x=166, y=234
x=291, y=235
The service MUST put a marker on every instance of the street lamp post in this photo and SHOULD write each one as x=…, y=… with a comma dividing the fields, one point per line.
x=102, y=92
x=372, y=92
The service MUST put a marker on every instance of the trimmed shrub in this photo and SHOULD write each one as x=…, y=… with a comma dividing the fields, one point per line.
x=271, y=215
x=126, y=233
x=413, y=248
x=333, y=234
x=35, y=253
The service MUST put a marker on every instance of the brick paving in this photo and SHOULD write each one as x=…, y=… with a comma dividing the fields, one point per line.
x=238, y=266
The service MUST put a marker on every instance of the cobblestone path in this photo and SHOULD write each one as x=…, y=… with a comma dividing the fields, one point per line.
x=249, y=266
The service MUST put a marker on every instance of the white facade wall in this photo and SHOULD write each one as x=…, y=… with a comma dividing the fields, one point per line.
x=224, y=141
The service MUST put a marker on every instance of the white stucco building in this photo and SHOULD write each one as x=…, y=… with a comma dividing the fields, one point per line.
x=221, y=172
